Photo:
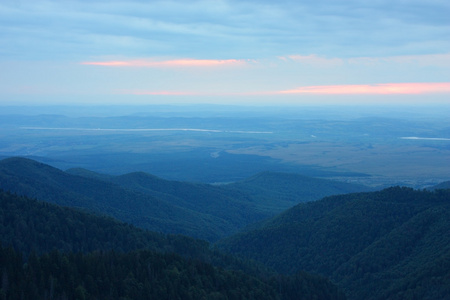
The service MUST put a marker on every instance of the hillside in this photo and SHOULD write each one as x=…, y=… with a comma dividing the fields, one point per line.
x=43, y=182
x=32, y=226
x=264, y=194
x=392, y=244
x=76, y=255
x=234, y=206
x=276, y=192
x=441, y=186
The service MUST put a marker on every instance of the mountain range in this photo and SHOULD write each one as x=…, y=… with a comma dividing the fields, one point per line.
x=388, y=244
x=200, y=210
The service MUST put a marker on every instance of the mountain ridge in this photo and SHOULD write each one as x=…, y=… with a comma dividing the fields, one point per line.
x=37, y=180
x=357, y=240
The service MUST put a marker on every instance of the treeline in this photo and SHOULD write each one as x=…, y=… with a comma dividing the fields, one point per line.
x=52, y=252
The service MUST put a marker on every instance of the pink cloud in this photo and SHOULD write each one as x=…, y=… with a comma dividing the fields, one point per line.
x=362, y=89
x=380, y=89
x=188, y=62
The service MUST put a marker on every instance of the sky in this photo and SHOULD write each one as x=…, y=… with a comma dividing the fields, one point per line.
x=224, y=52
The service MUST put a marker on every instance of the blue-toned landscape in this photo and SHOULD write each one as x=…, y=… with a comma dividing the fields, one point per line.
x=224, y=150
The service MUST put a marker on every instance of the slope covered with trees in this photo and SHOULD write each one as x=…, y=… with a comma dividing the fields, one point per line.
x=276, y=192
x=64, y=253
x=199, y=210
x=266, y=193
x=43, y=182
x=392, y=244
x=441, y=186
x=143, y=275
x=234, y=206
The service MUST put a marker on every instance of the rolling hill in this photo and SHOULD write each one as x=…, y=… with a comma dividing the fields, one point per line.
x=234, y=206
x=200, y=210
x=391, y=244
x=40, y=181
x=267, y=193
x=441, y=186
x=276, y=192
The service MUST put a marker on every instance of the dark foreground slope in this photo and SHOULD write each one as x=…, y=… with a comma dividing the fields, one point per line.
x=392, y=244
x=96, y=257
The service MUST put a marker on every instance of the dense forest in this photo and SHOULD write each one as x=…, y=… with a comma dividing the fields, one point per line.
x=52, y=252
x=392, y=244
x=199, y=210
x=63, y=236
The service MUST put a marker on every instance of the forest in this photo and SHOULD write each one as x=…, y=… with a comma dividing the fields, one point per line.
x=79, y=234
x=273, y=235
x=391, y=244
x=51, y=252
x=203, y=211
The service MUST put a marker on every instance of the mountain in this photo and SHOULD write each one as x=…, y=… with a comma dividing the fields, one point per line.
x=33, y=226
x=275, y=192
x=40, y=181
x=203, y=211
x=73, y=254
x=233, y=206
x=391, y=244
x=264, y=194
x=443, y=185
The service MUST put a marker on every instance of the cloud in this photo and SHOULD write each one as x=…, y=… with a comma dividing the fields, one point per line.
x=221, y=28
x=374, y=89
x=168, y=63
x=361, y=89
x=226, y=47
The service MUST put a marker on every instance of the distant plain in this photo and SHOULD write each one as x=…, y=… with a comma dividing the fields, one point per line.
x=375, y=146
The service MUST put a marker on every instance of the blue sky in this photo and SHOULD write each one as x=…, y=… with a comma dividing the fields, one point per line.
x=227, y=52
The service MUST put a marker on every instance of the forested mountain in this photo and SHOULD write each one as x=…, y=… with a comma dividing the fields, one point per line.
x=154, y=212
x=235, y=206
x=276, y=192
x=33, y=226
x=391, y=244
x=441, y=186
x=199, y=210
x=70, y=254
x=267, y=193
